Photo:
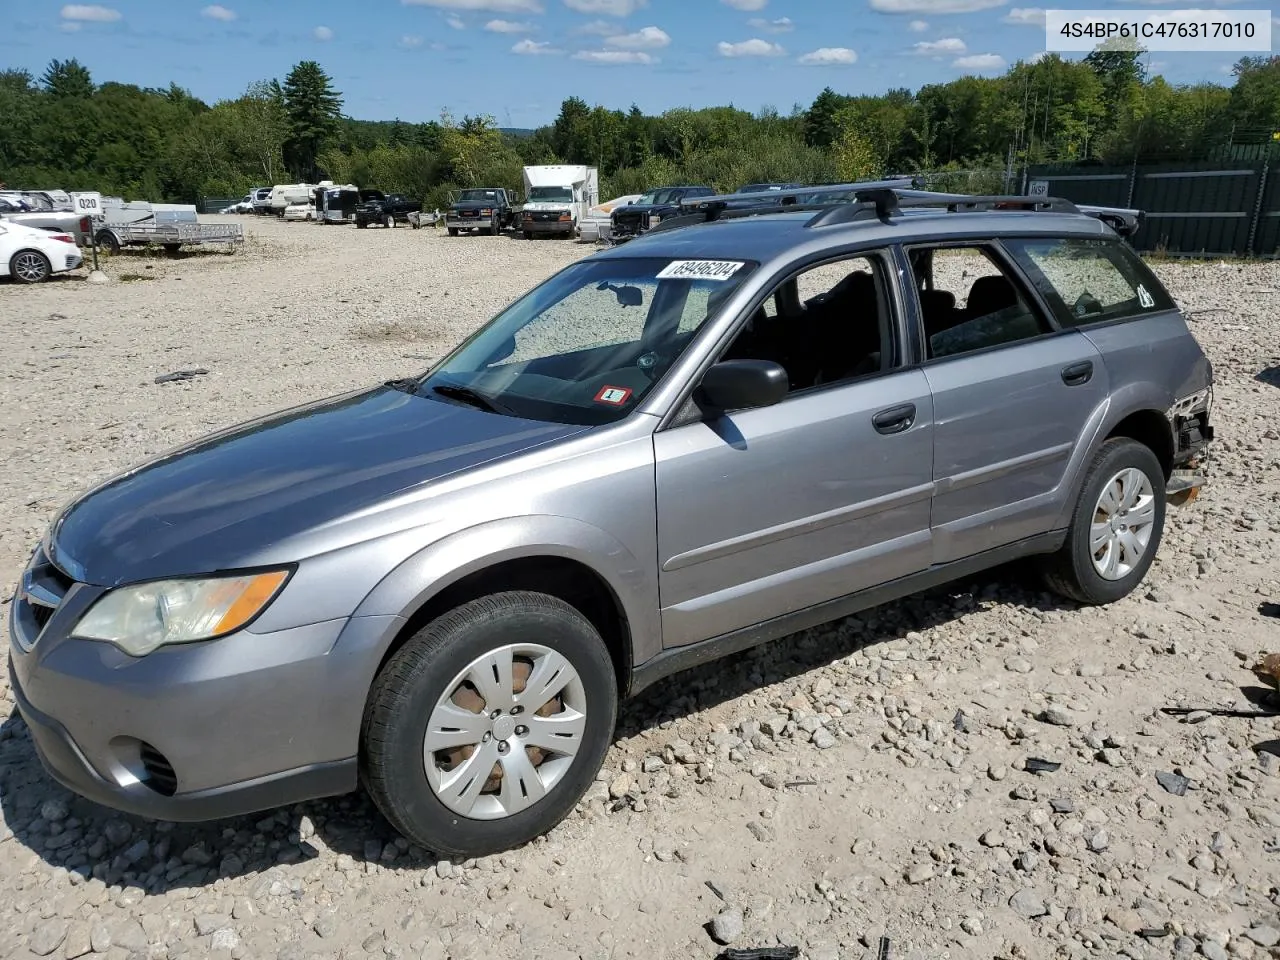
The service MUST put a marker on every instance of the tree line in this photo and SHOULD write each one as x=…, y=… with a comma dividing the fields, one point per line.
x=64, y=130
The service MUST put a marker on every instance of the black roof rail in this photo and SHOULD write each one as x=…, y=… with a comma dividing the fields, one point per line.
x=791, y=196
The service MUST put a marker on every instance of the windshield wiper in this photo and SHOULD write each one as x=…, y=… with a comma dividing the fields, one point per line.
x=467, y=395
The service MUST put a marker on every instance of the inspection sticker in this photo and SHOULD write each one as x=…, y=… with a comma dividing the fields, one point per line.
x=700, y=269
x=1145, y=298
x=614, y=395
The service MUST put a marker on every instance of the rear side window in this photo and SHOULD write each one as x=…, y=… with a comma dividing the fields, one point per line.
x=1089, y=281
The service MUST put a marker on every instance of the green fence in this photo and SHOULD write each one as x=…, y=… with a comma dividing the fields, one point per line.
x=1226, y=207
x=214, y=204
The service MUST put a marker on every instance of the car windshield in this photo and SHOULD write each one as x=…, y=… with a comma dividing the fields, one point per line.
x=551, y=193
x=473, y=195
x=654, y=197
x=588, y=344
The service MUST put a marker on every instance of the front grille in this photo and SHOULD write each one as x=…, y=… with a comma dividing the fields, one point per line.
x=44, y=586
x=160, y=775
x=545, y=217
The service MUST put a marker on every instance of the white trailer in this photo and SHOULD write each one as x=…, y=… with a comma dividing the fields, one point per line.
x=558, y=197
x=283, y=194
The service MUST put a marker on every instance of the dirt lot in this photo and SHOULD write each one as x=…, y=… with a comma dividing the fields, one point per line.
x=862, y=781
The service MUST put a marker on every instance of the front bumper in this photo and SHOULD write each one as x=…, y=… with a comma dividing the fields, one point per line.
x=548, y=226
x=468, y=223
x=195, y=731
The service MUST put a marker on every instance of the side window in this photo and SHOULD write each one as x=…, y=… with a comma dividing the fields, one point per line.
x=1090, y=281
x=969, y=301
x=827, y=324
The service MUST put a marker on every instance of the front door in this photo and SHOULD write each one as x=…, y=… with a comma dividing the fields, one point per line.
x=1012, y=395
x=764, y=512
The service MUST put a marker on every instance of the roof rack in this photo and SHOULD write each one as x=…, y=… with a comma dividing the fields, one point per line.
x=879, y=200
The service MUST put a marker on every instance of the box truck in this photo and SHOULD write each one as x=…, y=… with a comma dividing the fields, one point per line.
x=557, y=198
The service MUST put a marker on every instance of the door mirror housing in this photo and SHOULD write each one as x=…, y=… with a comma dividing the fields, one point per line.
x=743, y=384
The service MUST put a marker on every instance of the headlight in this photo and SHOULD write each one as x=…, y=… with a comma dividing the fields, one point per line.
x=141, y=618
x=655, y=219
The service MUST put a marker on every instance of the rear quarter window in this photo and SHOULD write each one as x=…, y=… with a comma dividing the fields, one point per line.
x=1087, y=281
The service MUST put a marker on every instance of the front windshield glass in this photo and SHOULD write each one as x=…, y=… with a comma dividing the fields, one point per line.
x=551, y=194
x=590, y=343
x=469, y=196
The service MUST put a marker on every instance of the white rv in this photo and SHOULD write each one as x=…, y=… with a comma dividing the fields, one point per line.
x=557, y=198
x=283, y=194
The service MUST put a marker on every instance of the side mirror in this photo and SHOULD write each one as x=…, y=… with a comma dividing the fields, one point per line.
x=742, y=384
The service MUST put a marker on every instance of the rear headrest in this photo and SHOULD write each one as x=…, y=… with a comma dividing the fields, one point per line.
x=991, y=294
x=937, y=300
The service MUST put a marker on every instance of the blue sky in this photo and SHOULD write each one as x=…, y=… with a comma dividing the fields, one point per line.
x=518, y=59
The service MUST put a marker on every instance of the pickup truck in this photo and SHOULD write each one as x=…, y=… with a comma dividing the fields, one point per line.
x=635, y=218
x=55, y=221
x=481, y=208
x=392, y=209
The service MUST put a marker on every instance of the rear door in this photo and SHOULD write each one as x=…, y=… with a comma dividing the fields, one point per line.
x=1014, y=398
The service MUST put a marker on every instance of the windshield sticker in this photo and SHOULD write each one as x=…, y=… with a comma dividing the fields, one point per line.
x=1144, y=298
x=615, y=396
x=700, y=269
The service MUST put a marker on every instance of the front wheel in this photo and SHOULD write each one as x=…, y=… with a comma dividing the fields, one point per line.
x=1116, y=528
x=453, y=231
x=388, y=221
x=486, y=728
x=30, y=266
x=528, y=234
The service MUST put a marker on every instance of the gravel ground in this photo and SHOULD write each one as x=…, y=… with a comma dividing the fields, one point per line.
x=854, y=782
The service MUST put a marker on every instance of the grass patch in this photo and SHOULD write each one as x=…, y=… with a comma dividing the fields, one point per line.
x=133, y=277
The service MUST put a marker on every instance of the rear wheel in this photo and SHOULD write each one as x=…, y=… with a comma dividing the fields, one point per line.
x=108, y=241
x=1116, y=528
x=30, y=266
x=453, y=231
x=528, y=234
x=495, y=226
x=486, y=728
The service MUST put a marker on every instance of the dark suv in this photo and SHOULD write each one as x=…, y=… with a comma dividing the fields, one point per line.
x=728, y=430
x=648, y=210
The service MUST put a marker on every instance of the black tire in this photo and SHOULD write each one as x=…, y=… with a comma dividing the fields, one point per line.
x=495, y=227
x=528, y=234
x=453, y=231
x=108, y=242
x=361, y=225
x=388, y=221
x=406, y=691
x=30, y=266
x=1071, y=572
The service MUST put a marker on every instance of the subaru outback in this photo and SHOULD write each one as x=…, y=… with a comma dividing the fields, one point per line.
x=733, y=428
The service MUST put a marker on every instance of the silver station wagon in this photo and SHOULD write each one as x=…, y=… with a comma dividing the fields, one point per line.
x=740, y=424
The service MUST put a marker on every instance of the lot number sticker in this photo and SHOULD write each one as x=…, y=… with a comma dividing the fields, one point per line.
x=700, y=270
x=613, y=395
x=1145, y=298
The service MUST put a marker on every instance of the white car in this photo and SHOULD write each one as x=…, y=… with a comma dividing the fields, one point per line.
x=29, y=255
x=299, y=211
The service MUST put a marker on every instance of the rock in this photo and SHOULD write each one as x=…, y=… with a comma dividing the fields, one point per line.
x=1090, y=669
x=100, y=938
x=1062, y=805
x=1128, y=920
x=621, y=786
x=47, y=937
x=920, y=873
x=1264, y=935
x=225, y=939
x=823, y=739
x=1099, y=841
x=1017, y=665
x=78, y=942
x=326, y=927
x=1027, y=903
x=997, y=771
x=1213, y=951
x=1172, y=782
x=727, y=926
x=652, y=764
x=54, y=810
x=1184, y=947
x=992, y=838
x=1027, y=861
x=117, y=832
x=971, y=926
x=1058, y=716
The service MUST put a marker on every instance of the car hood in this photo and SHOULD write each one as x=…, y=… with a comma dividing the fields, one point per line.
x=206, y=506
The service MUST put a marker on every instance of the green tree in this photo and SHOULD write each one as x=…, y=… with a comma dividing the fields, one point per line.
x=67, y=79
x=313, y=109
x=820, y=127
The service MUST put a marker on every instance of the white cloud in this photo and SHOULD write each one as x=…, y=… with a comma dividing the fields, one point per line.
x=91, y=13
x=746, y=4
x=646, y=38
x=614, y=56
x=531, y=48
x=410, y=43
x=934, y=48
x=826, y=56
x=322, y=34
x=508, y=26
x=1025, y=16
x=917, y=26
x=608, y=8
x=937, y=6
x=781, y=25
x=601, y=28
x=492, y=6
x=980, y=61
x=754, y=47
x=218, y=12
